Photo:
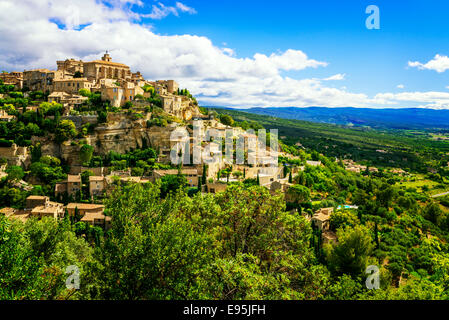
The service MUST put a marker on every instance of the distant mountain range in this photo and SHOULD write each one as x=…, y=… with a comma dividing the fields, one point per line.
x=408, y=118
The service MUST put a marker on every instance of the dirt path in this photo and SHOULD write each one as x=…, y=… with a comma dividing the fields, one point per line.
x=440, y=194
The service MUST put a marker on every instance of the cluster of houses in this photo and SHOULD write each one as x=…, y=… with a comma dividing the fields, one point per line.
x=350, y=165
x=41, y=206
x=119, y=85
x=113, y=80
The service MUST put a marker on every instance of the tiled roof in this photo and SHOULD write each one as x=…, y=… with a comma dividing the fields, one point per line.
x=73, y=178
x=82, y=206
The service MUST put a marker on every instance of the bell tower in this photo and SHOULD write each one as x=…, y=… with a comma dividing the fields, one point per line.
x=106, y=57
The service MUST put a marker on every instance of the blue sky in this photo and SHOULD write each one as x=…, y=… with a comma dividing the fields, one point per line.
x=249, y=53
x=332, y=31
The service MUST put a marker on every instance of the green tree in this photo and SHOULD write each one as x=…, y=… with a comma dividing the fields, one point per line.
x=65, y=130
x=298, y=193
x=226, y=119
x=351, y=254
x=86, y=152
x=15, y=173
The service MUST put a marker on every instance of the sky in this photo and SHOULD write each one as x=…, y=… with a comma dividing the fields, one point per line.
x=248, y=53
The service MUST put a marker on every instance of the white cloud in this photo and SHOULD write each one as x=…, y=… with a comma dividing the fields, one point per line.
x=30, y=37
x=439, y=64
x=400, y=86
x=338, y=76
x=429, y=99
x=185, y=8
x=160, y=10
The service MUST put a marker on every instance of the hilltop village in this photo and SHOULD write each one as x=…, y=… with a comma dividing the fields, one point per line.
x=108, y=125
x=87, y=163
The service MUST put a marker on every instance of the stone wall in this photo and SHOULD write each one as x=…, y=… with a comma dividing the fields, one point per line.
x=16, y=156
x=80, y=120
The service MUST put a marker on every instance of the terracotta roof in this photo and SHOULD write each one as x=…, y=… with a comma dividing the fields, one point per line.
x=84, y=206
x=72, y=79
x=73, y=178
x=175, y=172
x=323, y=214
x=91, y=216
x=37, y=197
x=96, y=178
x=108, y=63
x=52, y=207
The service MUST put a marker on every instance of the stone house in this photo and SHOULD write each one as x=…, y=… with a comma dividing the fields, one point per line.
x=41, y=206
x=50, y=209
x=34, y=201
x=83, y=208
x=214, y=187
x=15, y=155
x=68, y=101
x=321, y=218
x=14, y=78
x=72, y=186
x=41, y=79
x=97, y=185
x=91, y=213
x=72, y=86
x=70, y=66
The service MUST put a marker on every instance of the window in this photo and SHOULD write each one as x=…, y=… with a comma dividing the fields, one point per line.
x=115, y=89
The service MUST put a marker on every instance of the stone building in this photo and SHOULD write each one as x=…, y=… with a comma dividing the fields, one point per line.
x=41, y=79
x=70, y=67
x=97, y=185
x=49, y=209
x=90, y=213
x=119, y=92
x=214, y=187
x=321, y=218
x=72, y=186
x=84, y=208
x=14, y=78
x=41, y=206
x=106, y=69
x=68, y=101
x=34, y=201
x=72, y=86
x=15, y=155
x=170, y=86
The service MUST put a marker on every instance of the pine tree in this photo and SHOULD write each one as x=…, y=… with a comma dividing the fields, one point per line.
x=290, y=178
x=199, y=183
x=258, y=180
x=244, y=173
x=204, y=174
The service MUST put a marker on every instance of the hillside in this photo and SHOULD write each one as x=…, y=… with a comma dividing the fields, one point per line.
x=408, y=149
